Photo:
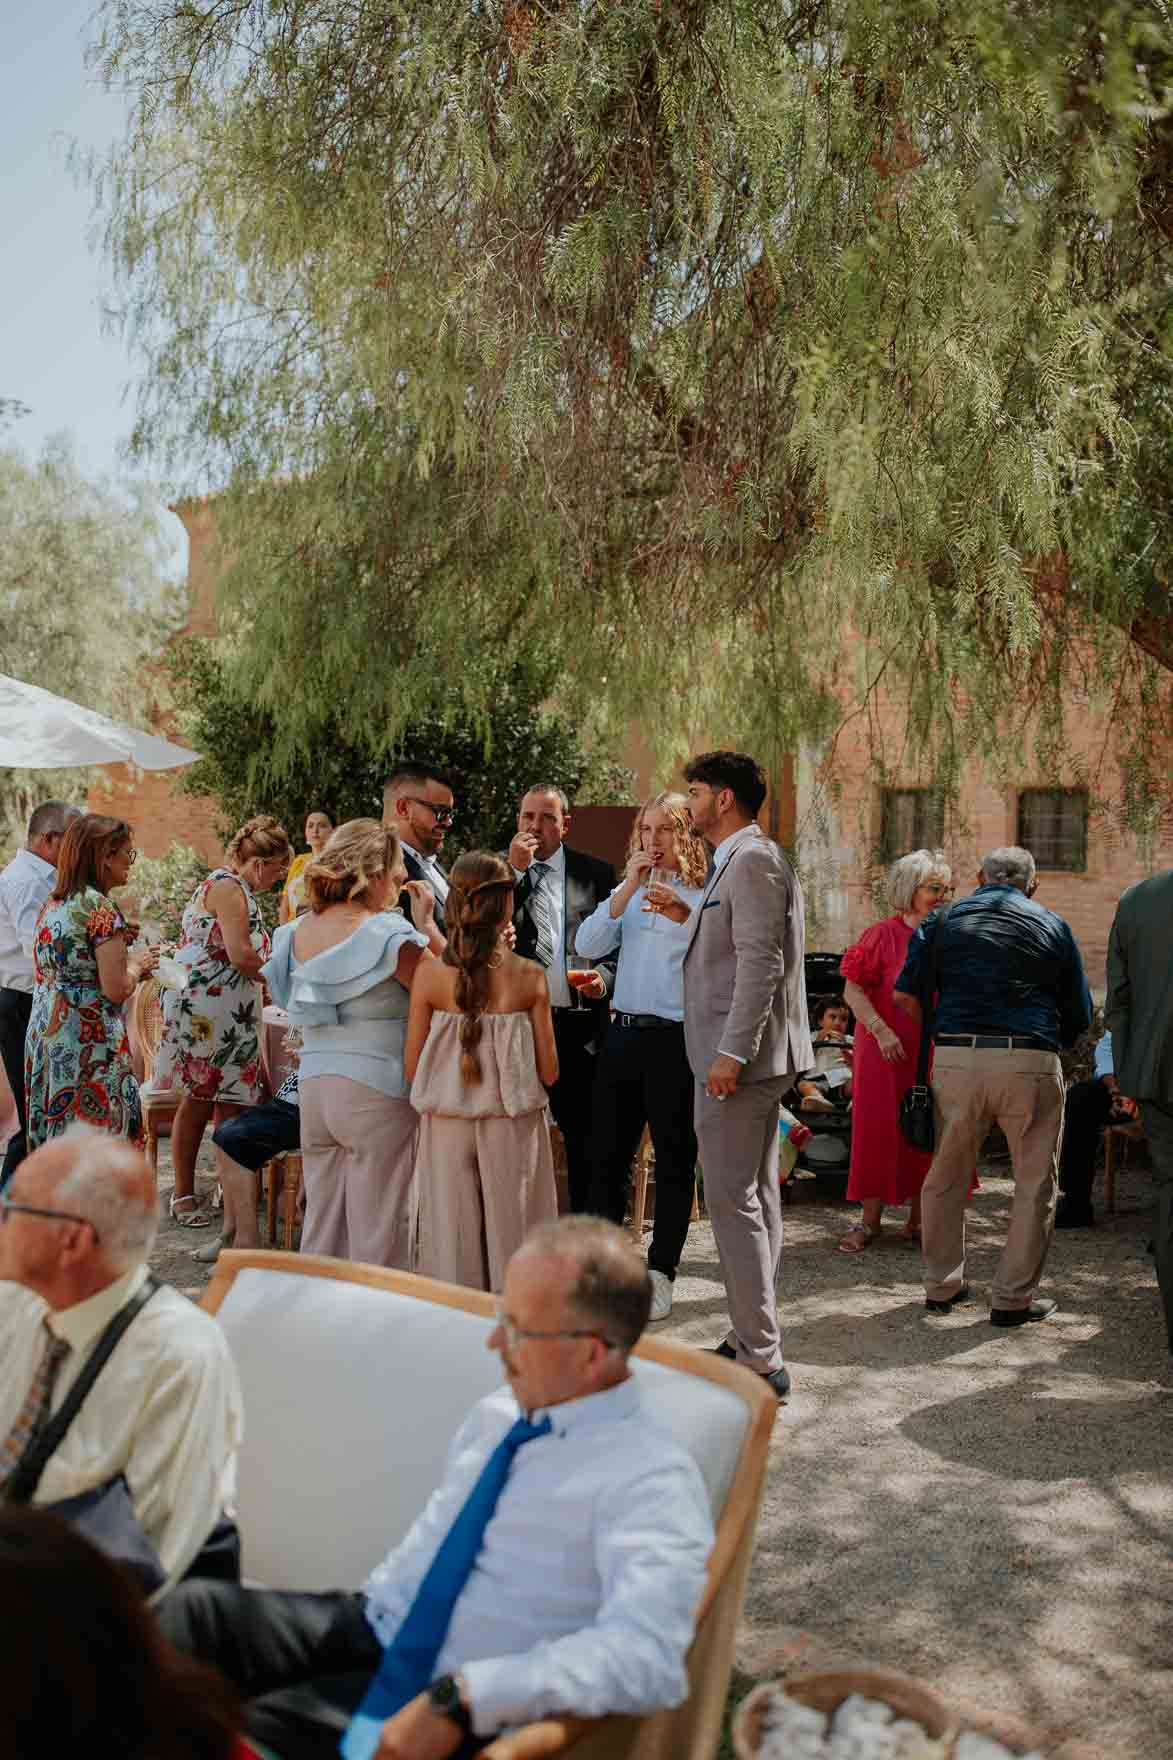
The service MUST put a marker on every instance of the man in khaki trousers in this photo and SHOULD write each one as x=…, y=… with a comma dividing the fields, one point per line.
x=747, y=1037
x=1010, y=992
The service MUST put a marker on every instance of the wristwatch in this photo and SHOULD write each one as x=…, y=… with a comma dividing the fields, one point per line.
x=444, y=1695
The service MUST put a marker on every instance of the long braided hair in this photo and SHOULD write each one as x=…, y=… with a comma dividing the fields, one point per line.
x=479, y=887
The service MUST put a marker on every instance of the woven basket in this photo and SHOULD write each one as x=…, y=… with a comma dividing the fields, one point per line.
x=826, y=1692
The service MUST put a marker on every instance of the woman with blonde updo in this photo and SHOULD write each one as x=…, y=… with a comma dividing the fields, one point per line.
x=343, y=974
x=215, y=1022
x=480, y=1046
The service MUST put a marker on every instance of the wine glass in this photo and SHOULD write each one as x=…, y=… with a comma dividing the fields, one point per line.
x=656, y=877
x=579, y=972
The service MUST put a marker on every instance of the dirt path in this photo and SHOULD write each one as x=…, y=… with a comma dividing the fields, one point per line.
x=992, y=1511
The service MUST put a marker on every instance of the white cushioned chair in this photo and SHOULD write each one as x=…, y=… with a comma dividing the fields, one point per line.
x=355, y=1381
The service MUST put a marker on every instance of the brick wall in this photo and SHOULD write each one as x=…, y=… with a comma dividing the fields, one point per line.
x=839, y=815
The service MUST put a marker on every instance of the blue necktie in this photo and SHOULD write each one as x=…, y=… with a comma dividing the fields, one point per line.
x=410, y=1658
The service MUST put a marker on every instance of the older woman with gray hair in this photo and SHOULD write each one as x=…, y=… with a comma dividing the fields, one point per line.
x=885, y=1169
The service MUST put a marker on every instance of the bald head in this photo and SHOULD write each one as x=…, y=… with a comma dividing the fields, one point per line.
x=606, y=1278
x=103, y=1190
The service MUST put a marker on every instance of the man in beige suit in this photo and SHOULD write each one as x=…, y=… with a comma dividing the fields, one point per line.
x=746, y=1031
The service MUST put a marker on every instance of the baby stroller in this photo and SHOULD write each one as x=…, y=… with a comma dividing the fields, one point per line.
x=826, y=1153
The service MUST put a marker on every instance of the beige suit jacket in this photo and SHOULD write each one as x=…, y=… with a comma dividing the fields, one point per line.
x=744, y=984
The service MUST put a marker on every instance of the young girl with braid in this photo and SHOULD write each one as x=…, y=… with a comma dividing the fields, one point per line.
x=480, y=1046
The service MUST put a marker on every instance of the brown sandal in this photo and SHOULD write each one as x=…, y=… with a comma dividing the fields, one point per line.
x=857, y=1238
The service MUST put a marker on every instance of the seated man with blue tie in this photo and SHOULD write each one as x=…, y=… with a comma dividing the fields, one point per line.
x=556, y=1570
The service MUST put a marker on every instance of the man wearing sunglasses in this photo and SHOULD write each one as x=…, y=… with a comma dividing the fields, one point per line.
x=77, y=1225
x=557, y=1569
x=25, y=884
x=418, y=804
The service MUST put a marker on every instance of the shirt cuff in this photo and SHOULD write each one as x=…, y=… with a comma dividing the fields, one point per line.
x=499, y=1692
x=733, y=1055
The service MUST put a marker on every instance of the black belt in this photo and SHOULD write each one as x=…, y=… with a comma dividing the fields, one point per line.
x=996, y=1042
x=642, y=1021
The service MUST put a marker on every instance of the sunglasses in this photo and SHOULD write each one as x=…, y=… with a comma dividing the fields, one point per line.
x=9, y=1205
x=442, y=815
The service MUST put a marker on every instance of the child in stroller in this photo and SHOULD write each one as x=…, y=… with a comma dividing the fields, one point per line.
x=827, y=1087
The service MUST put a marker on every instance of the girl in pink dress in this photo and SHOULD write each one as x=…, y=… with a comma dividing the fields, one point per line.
x=885, y=1169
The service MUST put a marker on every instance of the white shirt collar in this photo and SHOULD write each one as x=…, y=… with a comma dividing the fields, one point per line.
x=80, y=1325
x=726, y=844
x=555, y=863
x=29, y=859
x=620, y=1401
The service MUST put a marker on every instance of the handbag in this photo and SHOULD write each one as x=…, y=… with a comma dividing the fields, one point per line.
x=105, y=1513
x=917, y=1124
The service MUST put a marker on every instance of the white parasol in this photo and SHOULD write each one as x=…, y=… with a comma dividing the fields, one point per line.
x=39, y=731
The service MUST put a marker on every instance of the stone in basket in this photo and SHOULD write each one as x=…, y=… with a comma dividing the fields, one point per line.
x=909, y=1702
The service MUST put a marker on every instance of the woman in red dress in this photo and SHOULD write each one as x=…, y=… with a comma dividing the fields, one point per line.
x=885, y=1169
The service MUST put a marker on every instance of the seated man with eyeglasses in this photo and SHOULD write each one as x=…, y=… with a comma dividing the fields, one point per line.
x=78, y=1224
x=557, y=1569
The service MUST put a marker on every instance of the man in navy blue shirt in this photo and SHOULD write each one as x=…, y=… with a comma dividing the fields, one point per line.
x=1011, y=991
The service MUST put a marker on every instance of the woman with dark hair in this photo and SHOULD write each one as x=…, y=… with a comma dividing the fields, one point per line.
x=480, y=1045
x=77, y=1054
x=84, y=1670
x=318, y=826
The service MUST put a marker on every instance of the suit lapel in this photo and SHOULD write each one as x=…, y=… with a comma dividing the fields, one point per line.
x=715, y=876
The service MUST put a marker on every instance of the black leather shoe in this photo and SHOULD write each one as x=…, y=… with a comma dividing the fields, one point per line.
x=950, y=1302
x=779, y=1380
x=1021, y=1316
x=724, y=1349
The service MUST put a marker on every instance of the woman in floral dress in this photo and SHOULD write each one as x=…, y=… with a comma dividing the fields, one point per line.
x=215, y=1022
x=77, y=1055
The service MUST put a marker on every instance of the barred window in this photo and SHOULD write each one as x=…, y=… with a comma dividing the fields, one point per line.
x=1052, y=825
x=910, y=818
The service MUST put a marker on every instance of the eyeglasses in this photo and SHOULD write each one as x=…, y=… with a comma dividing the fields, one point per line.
x=941, y=891
x=514, y=1333
x=442, y=815
x=7, y=1205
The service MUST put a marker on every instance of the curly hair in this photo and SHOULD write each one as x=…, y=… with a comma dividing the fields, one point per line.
x=359, y=852
x=691, y=856
x=480, y=896
x=89, y=841
x=263, y=837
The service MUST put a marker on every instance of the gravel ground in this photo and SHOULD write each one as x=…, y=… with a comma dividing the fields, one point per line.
x=991, y=1511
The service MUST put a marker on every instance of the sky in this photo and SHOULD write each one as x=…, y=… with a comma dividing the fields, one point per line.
x=54, y=356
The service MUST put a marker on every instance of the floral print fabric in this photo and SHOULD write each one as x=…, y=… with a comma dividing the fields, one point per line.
x=77, y=1054
x=216, y=1019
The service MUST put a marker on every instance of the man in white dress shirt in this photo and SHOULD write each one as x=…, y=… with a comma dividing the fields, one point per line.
x=25, y=884
x=77, y=1224
x=419, y=806
x=583, y=1597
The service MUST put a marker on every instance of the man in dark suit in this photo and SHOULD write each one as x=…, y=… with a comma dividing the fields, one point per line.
x=1139, y=1013
x=418, y=805
x=557, y=889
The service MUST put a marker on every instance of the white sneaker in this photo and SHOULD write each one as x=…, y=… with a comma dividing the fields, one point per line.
x=661, y=1295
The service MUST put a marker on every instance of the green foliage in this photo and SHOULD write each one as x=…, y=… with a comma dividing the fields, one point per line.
x=489, y=758
x=162, y=887
x=736, y=356
x=83, y=602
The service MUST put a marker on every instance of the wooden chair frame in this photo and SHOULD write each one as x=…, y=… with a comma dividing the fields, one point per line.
x=1122, y=1131
x=667, y=1735
x=154, y=1106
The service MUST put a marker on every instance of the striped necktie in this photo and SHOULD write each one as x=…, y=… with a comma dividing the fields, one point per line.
x=409, y=1660
x=539, y=910
x=34, y=1413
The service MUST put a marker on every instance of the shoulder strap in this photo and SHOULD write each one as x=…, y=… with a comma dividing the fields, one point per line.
x=928, y=996
x=22, y=1486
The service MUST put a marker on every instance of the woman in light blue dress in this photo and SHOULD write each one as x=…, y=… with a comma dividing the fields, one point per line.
x=343, y=974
